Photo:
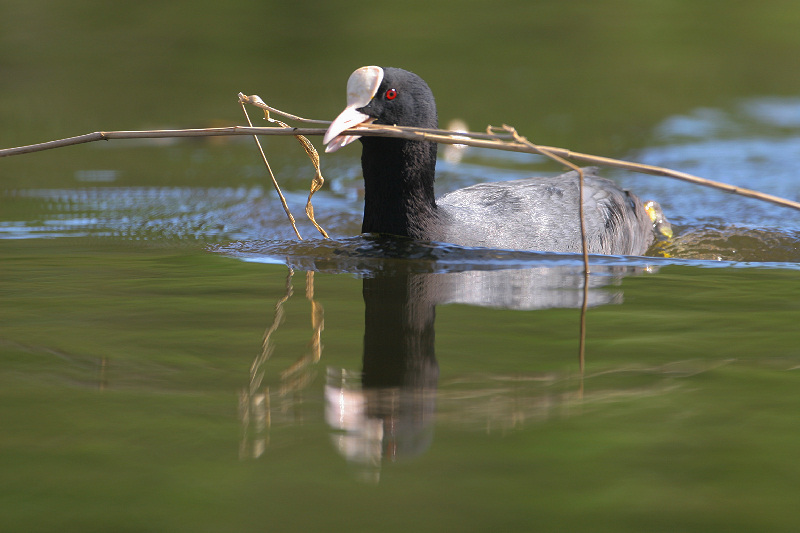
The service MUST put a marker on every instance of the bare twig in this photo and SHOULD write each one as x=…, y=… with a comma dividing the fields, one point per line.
x=258, y=102
x=311, y=152
x=480, y=140
x=272, y=176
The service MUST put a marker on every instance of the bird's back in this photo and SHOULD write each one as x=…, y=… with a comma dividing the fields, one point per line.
x=542, y=214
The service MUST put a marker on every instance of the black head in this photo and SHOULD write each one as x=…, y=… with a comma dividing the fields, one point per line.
x=391, y=96
x=402, y=99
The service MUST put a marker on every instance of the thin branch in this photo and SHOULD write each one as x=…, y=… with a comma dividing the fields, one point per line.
x=311, y=152
x=258, y=102
x=441, y=137
x=272, y=176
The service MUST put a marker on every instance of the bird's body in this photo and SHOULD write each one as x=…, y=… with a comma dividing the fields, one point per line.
x=529, y=214
x=542, y=214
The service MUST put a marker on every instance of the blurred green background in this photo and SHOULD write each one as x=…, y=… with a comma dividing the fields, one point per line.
x=599, y=72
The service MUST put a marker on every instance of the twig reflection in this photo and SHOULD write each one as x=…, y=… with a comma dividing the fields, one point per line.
x=255, y=410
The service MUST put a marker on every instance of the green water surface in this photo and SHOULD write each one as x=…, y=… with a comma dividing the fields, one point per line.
x=123, y=366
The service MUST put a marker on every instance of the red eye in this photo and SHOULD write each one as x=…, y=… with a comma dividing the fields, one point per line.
x=391, y=94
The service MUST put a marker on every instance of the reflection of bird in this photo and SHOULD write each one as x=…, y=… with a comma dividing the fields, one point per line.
x=390, y=414
x=529, y=214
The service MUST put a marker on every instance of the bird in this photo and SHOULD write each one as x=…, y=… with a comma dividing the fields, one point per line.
x=537, y=213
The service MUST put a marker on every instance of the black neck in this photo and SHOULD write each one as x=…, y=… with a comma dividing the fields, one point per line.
x=398, y=186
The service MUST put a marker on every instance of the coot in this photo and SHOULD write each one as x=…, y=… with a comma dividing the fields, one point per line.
x=528, y=214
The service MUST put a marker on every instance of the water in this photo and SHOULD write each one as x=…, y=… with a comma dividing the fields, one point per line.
x=173, y=358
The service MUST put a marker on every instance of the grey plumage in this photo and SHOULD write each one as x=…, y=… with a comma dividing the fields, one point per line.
x=542, y=214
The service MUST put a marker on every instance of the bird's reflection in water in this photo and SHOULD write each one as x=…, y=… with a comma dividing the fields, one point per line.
x=386, y=412
x=390, y=414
